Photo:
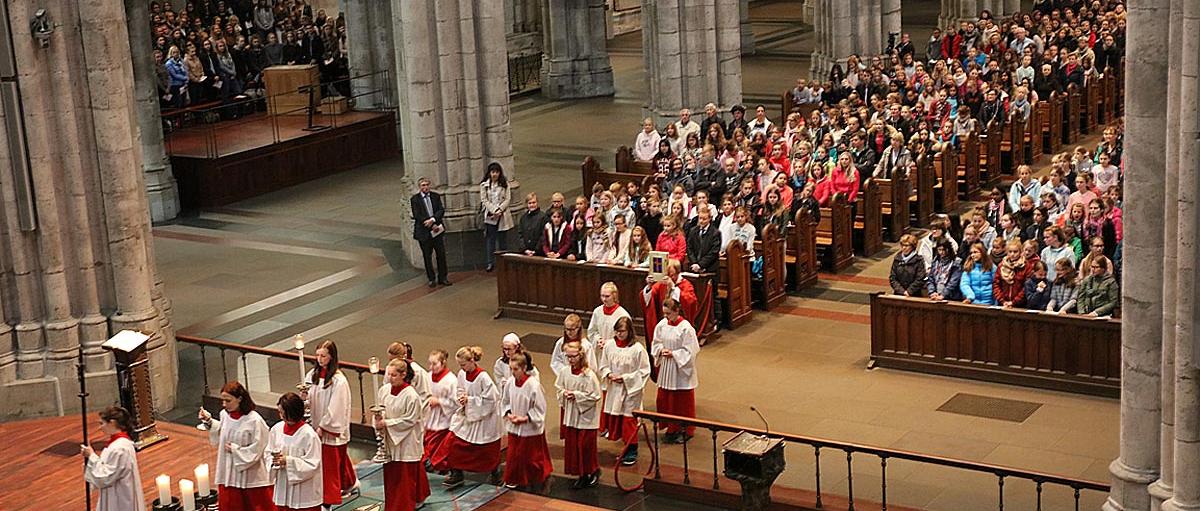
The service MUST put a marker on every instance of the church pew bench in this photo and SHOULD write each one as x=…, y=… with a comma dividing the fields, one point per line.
x=945, y=165
x=800, y=252
x=592, y=173
x=868, y=219
x=990, y=168
x=1012, y=146
x=1032, y=138
x=1050, y=115
x=968, y=166
x=895, y=195
x=626, y=163
x=1070, y=118
x=1034, y=349
x=921, y=203
x=771, y=289
x=835, y=236
x=733, y=287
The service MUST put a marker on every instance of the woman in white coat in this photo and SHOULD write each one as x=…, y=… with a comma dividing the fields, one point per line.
x=240, y=435
x=329, y=402
x=115, y=470
x=494, y=198
x=404, y=483
x=295, y=456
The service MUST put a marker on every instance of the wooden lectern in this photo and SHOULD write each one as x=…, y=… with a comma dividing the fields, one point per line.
x=754, y=461
x=288, y=88
x=133, y=384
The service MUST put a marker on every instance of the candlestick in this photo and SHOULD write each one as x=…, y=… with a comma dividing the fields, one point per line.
x=187, y=493
x=202, y=478
x=374, y=366
x=298, y=342
x=164, y=488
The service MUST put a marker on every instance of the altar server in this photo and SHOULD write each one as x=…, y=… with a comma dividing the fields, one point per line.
x=509, y=346
x=578, y=392
x=294, y=448
x=572, y=331
x=329, y=402
x=527, y=460
x=674, y=350
x=404, y=483
x=624, y=367
x=240, y=436
x=605, y=316
x=115, y=470
x=473, y=444
x=420, y=380
x=441, y=405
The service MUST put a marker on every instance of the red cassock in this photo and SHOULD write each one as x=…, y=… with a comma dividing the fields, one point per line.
x=245, y=499
x=456, y=453
x=676, y=402
x=337, y=472
x=690, y=304
x=405, y=485
x=579, y=451
x=433, y=439
x=281, y=508
x=527, y=460
x=619, y=427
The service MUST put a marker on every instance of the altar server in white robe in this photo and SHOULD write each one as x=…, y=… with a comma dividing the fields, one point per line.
x=572, y=331
x=115, y=470
x=509, y=346
x=523, y=401
x=473, y=444
x=420, y=380
x=674, y=351
x=329, y=402
x=624, y=367
x=240, y=436
x=441, y=405
x=295, y=456
x=404, y=483
x=578, y=392
x=605, y=316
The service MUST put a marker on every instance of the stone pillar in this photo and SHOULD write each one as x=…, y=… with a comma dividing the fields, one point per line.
x=85, y=268
x=746, y=29
x=575, y=60
x=841, y=30
x=160, y=181
x=454, y=118
x=692, y=53
x=891, y=21
x=1141, y=303
x=807, y=14
x=1185, y=476
x=371, y=51
x=869, y=14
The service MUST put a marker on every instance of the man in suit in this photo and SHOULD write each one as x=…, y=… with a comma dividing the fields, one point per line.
x=428, y=212
x=704, y=252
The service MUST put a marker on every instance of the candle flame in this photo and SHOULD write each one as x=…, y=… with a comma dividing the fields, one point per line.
x=374, y=363
x=298, y=341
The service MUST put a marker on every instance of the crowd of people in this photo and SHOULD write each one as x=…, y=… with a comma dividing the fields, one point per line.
x=216, y=50
x=436, y=419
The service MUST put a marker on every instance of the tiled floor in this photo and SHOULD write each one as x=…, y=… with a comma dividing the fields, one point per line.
x=324, y=259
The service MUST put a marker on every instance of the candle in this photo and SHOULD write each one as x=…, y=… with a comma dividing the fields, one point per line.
x=164, y=489
x=298, y=341
x=374, y=363
x=187, y=494
x=202, y=479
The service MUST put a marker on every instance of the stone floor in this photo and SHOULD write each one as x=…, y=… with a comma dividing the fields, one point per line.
x=324, y=259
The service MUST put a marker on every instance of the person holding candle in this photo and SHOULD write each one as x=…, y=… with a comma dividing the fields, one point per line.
x=420, y=381
x=441, y=405
x=473, y=444
x=240, y=436
x=527, y=459
x=295, y=449
x=115, y=470
x=675, y=349
x=404, y=481
x=329, y=401
x=578, y=392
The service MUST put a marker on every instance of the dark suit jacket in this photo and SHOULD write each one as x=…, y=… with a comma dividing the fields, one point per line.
x=420, y=232
x=705, y=251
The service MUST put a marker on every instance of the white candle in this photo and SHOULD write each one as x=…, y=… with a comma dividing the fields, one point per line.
x=298, y=342
x=374, y=363
x=164, y=489
x=202, y=479
x=187, y=494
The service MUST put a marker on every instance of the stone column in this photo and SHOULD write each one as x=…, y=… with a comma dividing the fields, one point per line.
x=891, y=20
x=692, y=54
x=454, y=118
x=85, y=268
x=1185, y=476
x=160, y=181
x=807, y=14
x=746, y=29
x=575, y=63
x=1141, y=303
x=371, y=51
x=841, y=30
x=869, y=14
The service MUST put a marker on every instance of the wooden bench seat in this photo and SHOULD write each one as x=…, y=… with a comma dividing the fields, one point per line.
x=835, y=236
x=771, y=289
x=868, y=220
x=733, y=287
x=800, y=252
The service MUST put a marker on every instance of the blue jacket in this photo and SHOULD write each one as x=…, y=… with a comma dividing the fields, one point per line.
x=1034, y=299
x=177, y=71
x=977, y=285
x=945, y=278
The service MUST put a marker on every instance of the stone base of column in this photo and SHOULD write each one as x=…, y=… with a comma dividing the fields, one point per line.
x=1172, y=505
x=1159, y=493
x=1130, y=488
x=807, y=12
x=44, y=397
x=747, y=40
x=163, y=198
x=572, y=79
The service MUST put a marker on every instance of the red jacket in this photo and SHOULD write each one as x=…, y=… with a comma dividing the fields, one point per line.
x=675, y=245
x=564, y=240
x=843, y=184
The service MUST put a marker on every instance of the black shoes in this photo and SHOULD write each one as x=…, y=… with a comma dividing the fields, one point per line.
x=494, y=477
x=454, y=480
x=432, y=284
x=490, y=268
x=445, y=282
x=586, y=481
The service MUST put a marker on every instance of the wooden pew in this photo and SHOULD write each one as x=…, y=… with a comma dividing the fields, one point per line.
x=1119, y=89
x=1032, y=136
x=1070, y=120
x=790, y=107
x=771, y=289
x=989, y=155
x=967, y=171
x=893, y=207
x=835, y=236
x=626, y=163
x=1089, y=107
x=1012, y=146
x=1061, y=352
x=1050, y=114
x=868, y=219
x=945, y=165
x=800, y=252
x=921, y=204
x=592, y=173
x=1108, y=94
x=733, y=289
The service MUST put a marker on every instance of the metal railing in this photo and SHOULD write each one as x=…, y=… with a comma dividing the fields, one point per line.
x=242, y=351
x=194, y=131
x=1000, y=472
x=524, y=73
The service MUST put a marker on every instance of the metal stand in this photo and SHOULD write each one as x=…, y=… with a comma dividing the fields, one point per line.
x=312, y=109
x=83, y=395
x=302, y=388
x=381, y=454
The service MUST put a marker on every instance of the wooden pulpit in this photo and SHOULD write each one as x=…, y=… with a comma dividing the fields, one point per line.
x=754, y=461
x=133, y=385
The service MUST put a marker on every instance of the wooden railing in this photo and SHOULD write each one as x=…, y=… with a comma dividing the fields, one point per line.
x=1001, y=473
x=1065, y=352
